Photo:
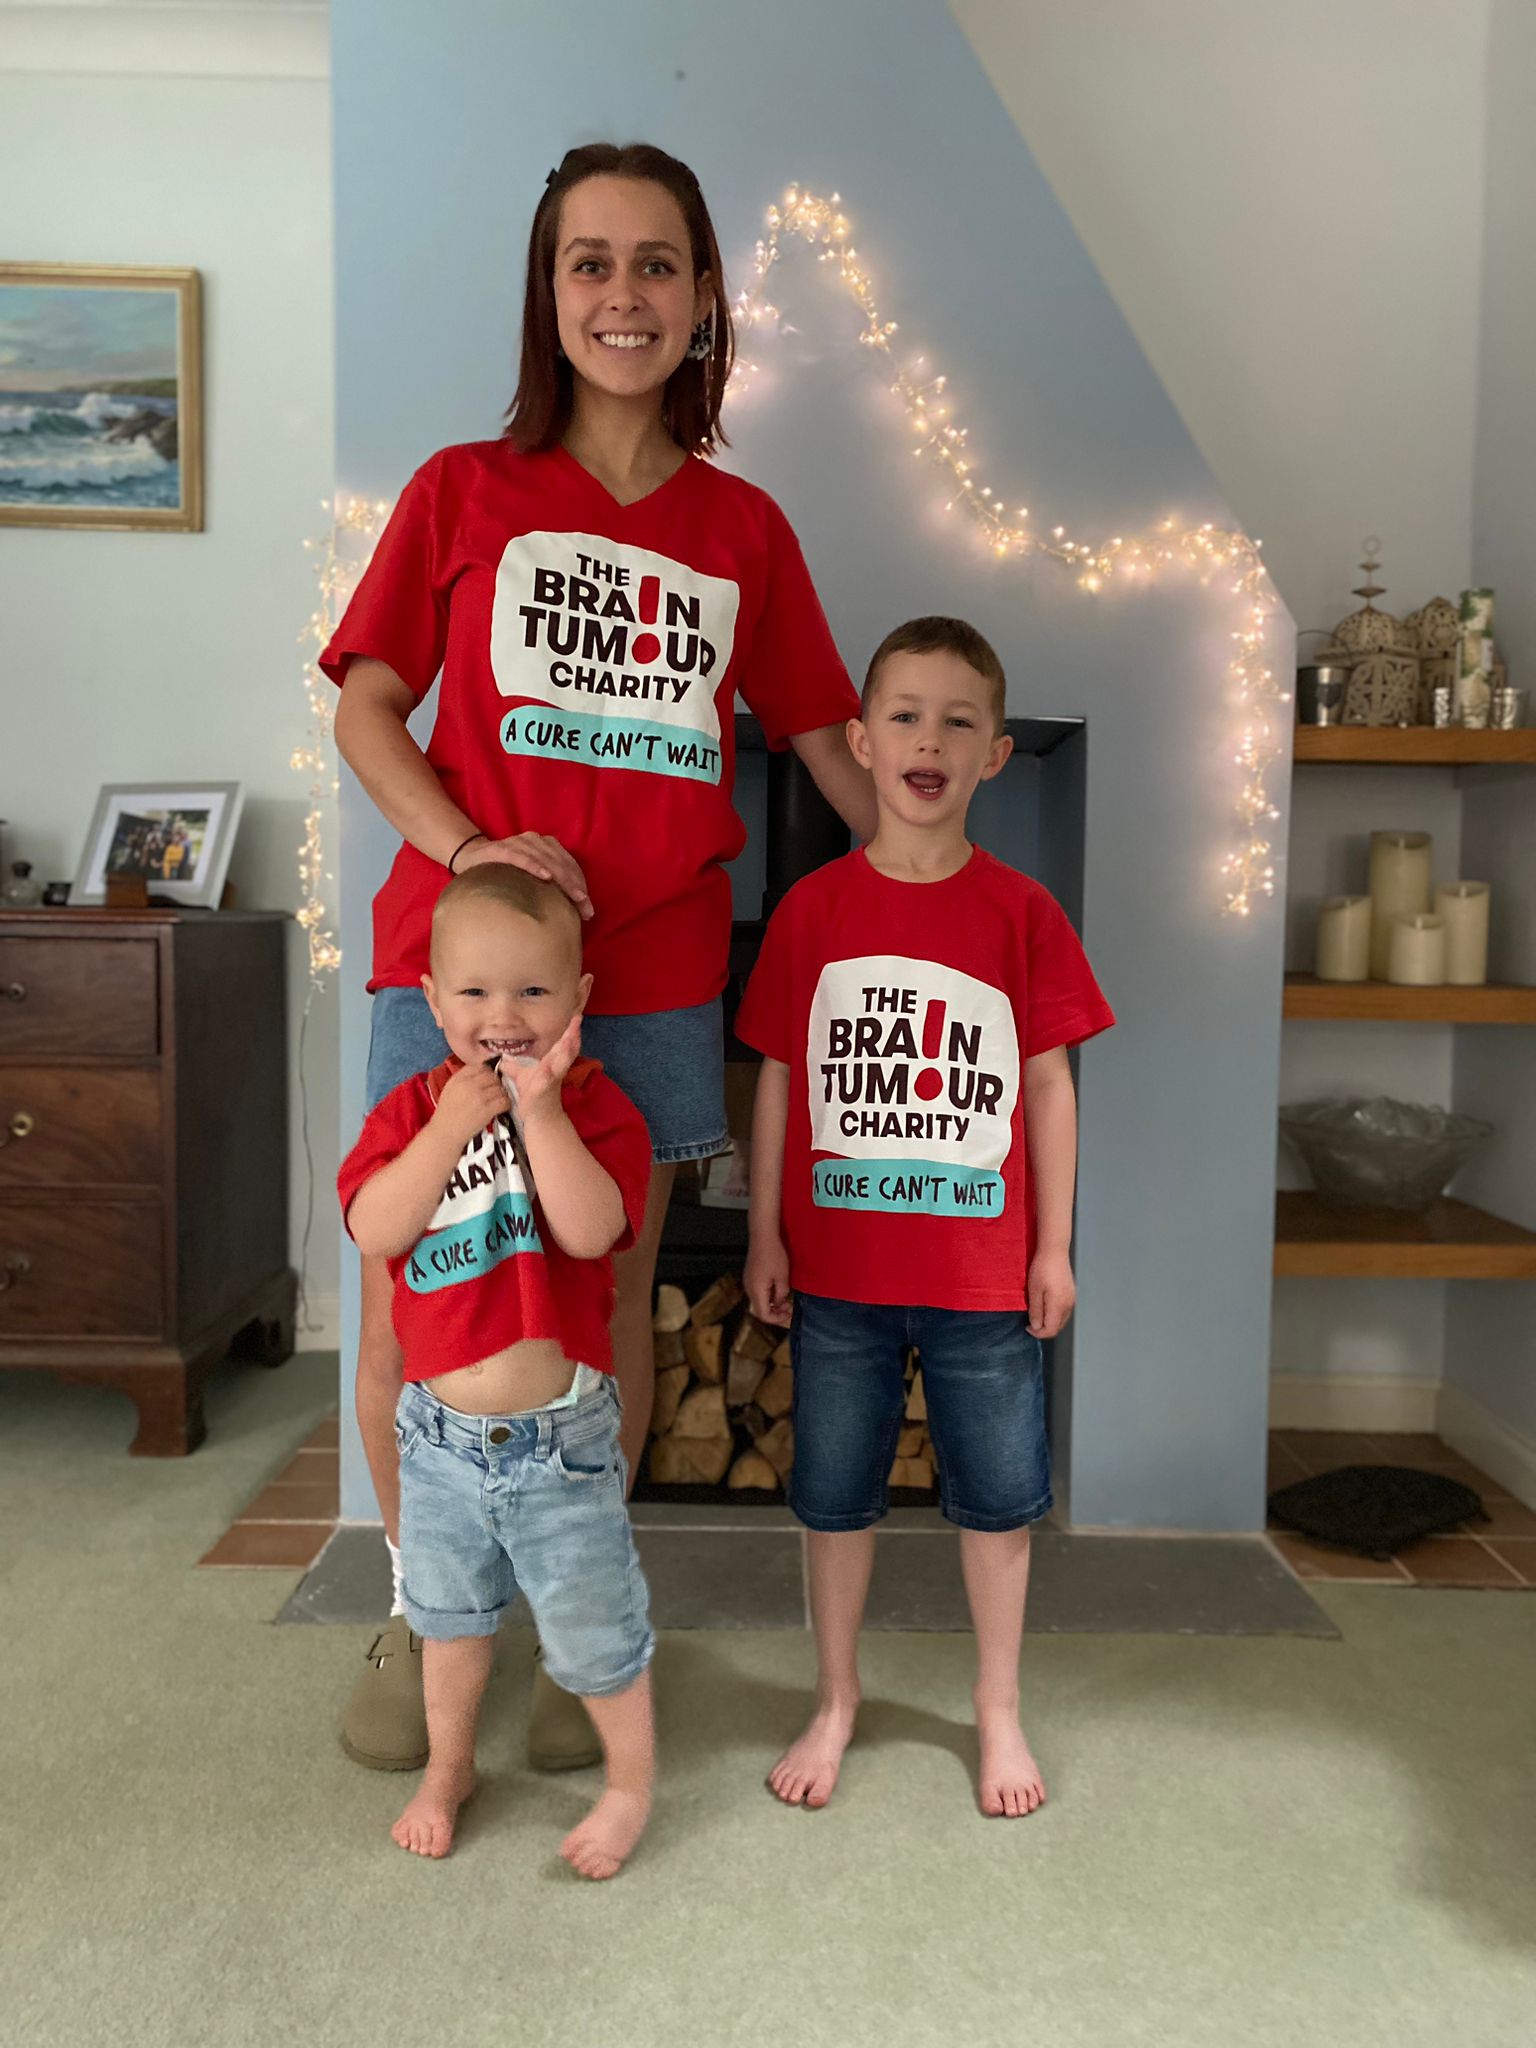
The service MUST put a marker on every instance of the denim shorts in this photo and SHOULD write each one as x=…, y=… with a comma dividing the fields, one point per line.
x=984, y=1383
x=670, y=1063
x=494, y=1505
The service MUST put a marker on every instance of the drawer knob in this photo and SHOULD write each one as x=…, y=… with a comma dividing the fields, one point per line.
x=17, y=1266
x=16, y=991
x=21, y=1125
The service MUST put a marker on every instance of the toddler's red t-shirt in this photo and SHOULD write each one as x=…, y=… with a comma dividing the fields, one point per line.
x=591, y=654
x=486, y=1272
x=905, y=1012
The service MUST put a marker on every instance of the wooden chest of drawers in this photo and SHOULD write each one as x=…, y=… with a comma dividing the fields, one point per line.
x=144, y=1153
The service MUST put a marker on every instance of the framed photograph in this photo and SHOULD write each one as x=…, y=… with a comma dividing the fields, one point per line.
x=177, y=835
x=101, y=397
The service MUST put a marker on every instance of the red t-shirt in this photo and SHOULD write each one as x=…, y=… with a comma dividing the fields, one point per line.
x=486, y=1272
x=591, y=655
x=905, y=1012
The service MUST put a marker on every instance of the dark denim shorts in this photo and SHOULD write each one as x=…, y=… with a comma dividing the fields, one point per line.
x=670, y=1063
x=984, y=1383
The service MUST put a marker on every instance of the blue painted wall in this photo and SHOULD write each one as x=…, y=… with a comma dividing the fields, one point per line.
x=446, y=121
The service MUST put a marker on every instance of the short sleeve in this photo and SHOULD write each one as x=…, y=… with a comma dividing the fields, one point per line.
x=615, y=1133
x=386, y=1132
x=1063, y=1002
x=399, y=611
x=791, y=675
x=764, y=1019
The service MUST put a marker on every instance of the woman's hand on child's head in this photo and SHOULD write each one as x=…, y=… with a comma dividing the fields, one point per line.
x=537, y=1085
x=538, y=855
x=767, y=1279
x=1052, y=1293
x=471, y=1101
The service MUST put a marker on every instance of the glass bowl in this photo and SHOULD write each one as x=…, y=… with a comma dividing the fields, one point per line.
x=1374, y=1153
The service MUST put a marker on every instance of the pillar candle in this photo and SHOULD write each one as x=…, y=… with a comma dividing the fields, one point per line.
x=1463, y=908
x=1344, y=939
x=1417, y=951
x=1399, y=888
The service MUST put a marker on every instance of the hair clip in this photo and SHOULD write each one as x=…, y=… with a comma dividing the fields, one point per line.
x=551, y=179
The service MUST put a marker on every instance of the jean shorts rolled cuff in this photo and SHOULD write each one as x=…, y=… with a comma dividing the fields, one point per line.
x=440, y=1625
x=998, y=1525
x=837, y=1525
x=677, y=1155
x=608, y=1687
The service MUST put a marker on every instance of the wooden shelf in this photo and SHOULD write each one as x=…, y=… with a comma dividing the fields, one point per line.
x=1452, y=1242
x=1385, y=1002
x=1412, y=745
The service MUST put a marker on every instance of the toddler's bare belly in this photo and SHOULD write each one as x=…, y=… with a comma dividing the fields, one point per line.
x=524, y=1375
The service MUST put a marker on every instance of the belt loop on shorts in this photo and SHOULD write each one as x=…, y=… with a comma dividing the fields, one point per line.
x=432, y=1420
x=546, y=1434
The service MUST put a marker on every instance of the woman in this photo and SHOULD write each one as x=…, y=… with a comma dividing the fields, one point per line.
x=595, y=595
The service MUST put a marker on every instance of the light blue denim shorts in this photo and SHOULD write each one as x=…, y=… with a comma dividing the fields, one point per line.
x=496, y=1505
x=670, y=1063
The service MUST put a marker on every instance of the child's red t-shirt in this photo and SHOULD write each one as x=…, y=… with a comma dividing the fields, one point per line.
x=591, y=654
x=486, y=1272
x=905, y=1012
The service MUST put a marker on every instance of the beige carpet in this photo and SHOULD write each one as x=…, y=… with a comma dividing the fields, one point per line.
x=1249, y=1841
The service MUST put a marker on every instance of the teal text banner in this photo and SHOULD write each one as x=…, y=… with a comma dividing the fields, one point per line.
x=914, y=1187
x=466, y=1250
x=611, y=742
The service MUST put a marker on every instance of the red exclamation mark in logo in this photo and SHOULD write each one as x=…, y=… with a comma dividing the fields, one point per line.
x=647, y=646
x=930, y=1080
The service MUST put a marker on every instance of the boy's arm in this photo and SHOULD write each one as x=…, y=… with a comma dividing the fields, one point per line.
x=580, y=1199
x=579, y=1196
x=767, y=1274
x=1050, y=1131
x=393, y=1207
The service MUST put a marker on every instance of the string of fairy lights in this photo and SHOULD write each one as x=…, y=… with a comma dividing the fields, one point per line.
x=339, y=560
x=1211, y=553
x=1207, y=551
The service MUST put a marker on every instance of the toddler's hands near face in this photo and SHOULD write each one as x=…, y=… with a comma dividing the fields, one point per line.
x=535, y=1088
x=472, y=1100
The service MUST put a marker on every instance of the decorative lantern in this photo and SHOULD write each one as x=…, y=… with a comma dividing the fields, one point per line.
x=1381, y=653
x=1436, y=628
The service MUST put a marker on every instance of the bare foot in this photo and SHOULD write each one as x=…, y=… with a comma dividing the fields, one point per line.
x=426, y=1826
x=1009, y=1783
x=601, y=1845
x=807, y=1771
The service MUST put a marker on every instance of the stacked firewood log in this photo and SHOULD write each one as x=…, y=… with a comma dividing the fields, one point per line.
x=724, y=1388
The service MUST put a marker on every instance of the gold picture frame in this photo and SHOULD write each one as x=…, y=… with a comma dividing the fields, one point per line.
x=101, y=397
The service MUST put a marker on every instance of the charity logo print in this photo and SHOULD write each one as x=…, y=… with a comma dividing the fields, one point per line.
x=914, y=1077
x=622, y=649
x=485, y=1215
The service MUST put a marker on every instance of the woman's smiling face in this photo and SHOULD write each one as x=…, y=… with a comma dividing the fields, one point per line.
x=626, y=300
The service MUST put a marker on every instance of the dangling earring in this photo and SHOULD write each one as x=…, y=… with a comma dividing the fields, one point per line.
x=703, y=342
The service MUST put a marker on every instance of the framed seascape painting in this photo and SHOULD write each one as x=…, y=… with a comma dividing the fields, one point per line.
x=177, y=835
x=101, y=397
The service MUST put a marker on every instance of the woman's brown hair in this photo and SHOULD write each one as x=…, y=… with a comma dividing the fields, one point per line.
x=540, y=413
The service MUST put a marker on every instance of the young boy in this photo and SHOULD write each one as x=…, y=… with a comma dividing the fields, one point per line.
x=913, y=1158
x=497, y=1187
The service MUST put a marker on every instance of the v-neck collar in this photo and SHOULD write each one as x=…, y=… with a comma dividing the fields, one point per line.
x=617, y=504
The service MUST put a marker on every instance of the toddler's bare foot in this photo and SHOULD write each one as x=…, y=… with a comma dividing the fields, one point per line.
x=426, y=1826
x=1009, y=1782
x=807, y=1771
x=601, y=1845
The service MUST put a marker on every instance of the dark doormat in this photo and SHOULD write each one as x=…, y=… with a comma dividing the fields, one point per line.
x=1375, y=1510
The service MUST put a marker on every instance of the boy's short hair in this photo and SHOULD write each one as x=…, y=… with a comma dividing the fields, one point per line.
x=498, y=881
x=937, y=634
